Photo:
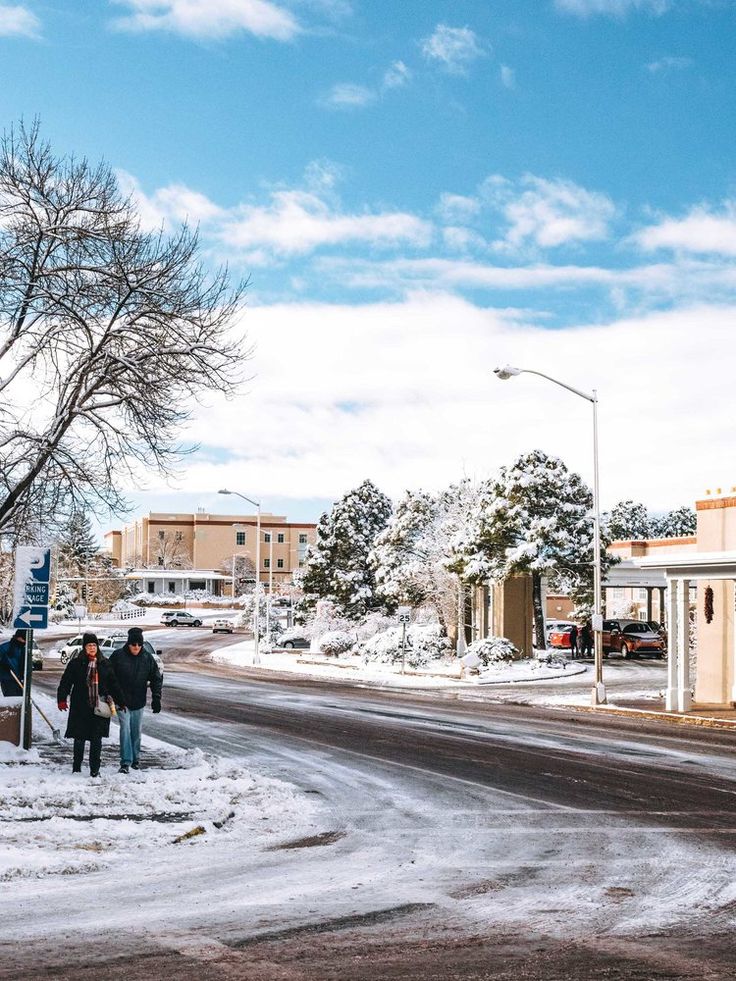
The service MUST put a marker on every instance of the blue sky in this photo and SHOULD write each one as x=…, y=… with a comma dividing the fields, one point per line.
x=419, y=191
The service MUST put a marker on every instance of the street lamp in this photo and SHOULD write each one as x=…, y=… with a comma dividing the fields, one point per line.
x=598, y=694
x=256, y=617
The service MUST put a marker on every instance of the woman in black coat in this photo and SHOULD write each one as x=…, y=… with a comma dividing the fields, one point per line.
x=90, y=679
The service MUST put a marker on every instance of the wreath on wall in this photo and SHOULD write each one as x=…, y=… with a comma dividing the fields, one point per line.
x=708, y=605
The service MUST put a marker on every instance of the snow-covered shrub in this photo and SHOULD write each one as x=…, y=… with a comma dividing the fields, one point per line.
x=494, y=650
x=424, y=643
x=336, y=642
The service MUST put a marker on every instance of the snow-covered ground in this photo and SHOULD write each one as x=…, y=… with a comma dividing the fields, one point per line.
x=439, y=674
x=54, y=822
x=348, y=835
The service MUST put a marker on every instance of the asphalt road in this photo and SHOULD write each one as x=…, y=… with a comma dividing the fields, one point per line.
x=546, y=844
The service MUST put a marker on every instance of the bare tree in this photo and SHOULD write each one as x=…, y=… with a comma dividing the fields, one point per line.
x=170, y=552
x=108, y=334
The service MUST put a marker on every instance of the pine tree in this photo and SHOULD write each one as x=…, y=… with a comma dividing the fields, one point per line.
x=78, y=549
x=679, y=523
x=337, y=566
x=535, y=518
x=628, y=521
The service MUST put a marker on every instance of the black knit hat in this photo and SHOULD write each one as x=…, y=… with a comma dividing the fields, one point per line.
x=90, y=639
x=135, y=636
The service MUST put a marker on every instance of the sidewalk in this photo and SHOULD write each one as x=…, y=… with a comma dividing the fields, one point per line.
x=713, y=718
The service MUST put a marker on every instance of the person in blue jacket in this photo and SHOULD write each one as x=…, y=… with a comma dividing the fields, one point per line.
x=136, y=671
x=13, y=658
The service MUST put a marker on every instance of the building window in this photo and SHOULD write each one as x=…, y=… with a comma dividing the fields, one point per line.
x=266, y=563
x=178, y=536
x=160, y=560
x=279, y=563
x=161, y=535
x=172, y=587
x=151, y=587
x=197, y=584
x=280, y=538
x=267, y=537
x=302, y=539
x=240, y=538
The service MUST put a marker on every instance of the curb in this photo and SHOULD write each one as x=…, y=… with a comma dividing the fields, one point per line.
x=704, y=721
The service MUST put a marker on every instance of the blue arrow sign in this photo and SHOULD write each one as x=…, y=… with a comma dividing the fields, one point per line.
x=31, y=588
x=32, y=618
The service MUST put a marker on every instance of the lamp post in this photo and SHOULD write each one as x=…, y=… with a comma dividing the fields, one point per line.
x=256, y=617
x=598, y=693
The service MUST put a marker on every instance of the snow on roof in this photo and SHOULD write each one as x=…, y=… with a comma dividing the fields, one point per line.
x=175, y=574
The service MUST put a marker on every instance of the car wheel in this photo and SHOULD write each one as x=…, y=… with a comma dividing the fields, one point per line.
x=197, y=623
x=289, y=645
x=625, y=651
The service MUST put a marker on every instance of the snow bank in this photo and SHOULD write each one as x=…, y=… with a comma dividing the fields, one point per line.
x=54, y=822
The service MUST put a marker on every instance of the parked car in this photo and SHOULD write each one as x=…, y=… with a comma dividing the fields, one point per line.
x=556, y=625
x=559, y=637
x=293, y=642
x=180, y=618
x=630, y=637
x=223, y=626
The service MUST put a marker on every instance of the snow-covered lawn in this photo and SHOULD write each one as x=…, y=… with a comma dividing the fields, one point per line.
x=437, y=673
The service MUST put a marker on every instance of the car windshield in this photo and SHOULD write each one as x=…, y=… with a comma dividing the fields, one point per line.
x=637, y=628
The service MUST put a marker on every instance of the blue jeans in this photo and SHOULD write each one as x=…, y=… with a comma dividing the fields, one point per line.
x=131, y=721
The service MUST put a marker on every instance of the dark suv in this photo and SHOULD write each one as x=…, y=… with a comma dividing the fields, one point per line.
x=630, y=637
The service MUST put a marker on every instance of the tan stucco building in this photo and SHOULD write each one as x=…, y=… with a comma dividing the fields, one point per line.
x=204, y=541
x=706, y=675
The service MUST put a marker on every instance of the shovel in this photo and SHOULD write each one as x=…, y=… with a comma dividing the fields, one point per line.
x=54, y=732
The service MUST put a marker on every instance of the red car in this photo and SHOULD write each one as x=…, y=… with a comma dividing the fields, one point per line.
x=560, y=638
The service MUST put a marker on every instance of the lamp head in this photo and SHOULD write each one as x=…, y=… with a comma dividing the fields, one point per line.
x=506, y=372
x=224, y=492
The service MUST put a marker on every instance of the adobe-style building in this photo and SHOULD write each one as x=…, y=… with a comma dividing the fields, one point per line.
x=202, y=543
x=708, y=571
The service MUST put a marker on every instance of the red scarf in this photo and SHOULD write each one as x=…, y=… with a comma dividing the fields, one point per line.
x=92, y=682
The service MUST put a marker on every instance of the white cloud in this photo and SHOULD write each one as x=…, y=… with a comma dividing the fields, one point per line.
x=458, y=207
x=460, y=239
x=681, y=281
x=18, y=21
x=508, y=77
x=169, y=205
x=548, y=213
x=668, y=63
x=297, y=221
x=396, y=76
x=213, y=19
x=611, y=8
x=404, y=393
x=346, y=95
x=294, y=221
x=453, y=48
x=700, y=231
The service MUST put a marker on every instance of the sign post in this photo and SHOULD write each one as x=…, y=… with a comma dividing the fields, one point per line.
x=404, y=619
x=30, y=612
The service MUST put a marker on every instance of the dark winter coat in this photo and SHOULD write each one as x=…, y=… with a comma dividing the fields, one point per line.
x=12, y=658
x=83, y=723
x=135, y=672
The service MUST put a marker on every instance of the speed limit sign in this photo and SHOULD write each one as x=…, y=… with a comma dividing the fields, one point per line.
x=404, y=614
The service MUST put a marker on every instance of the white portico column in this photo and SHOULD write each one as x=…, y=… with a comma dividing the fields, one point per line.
x=684, y=698
x=670, y=701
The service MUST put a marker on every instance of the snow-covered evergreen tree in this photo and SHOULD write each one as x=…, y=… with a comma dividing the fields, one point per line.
x=337, y=565
x=679, y=523
x=628, y=521
x=77, y=546
x=535, y=517
x=419, y=557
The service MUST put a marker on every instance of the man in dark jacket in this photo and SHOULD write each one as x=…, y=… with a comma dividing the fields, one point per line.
x=135, y=669
x=13, y=659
